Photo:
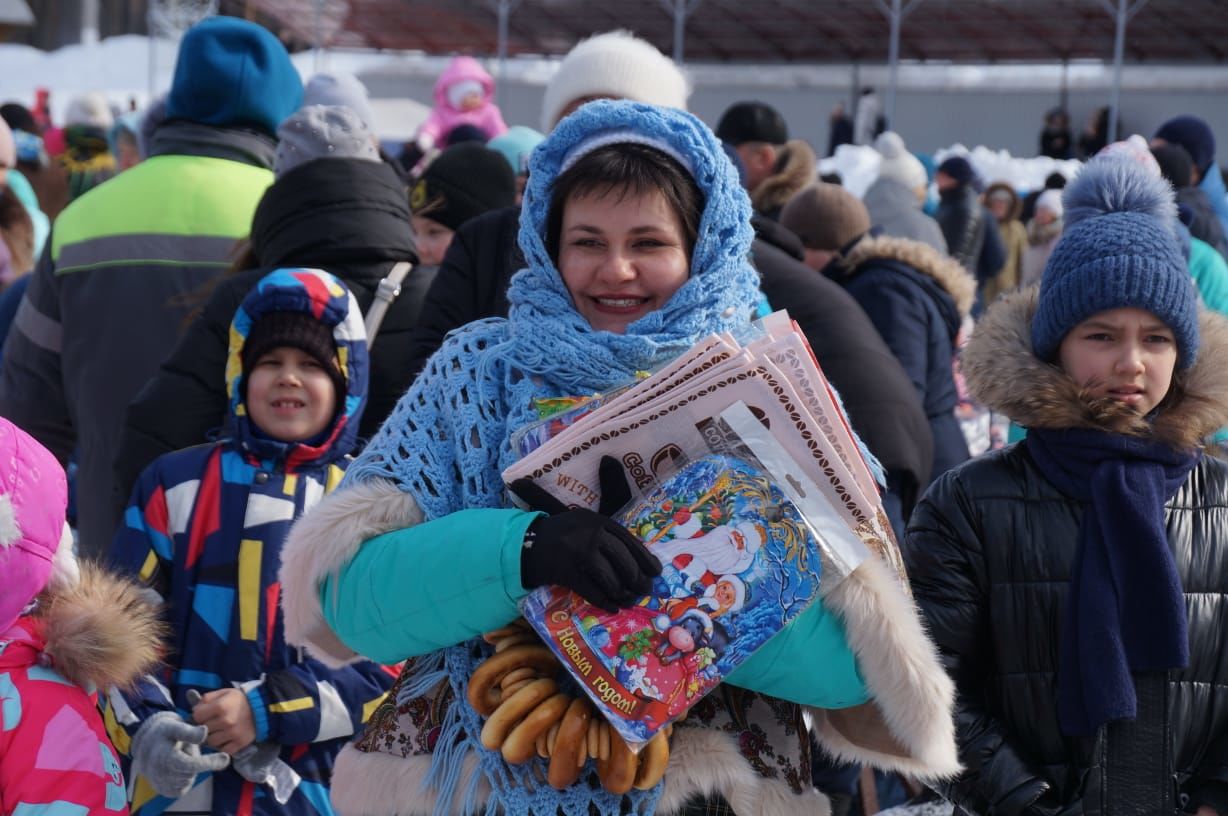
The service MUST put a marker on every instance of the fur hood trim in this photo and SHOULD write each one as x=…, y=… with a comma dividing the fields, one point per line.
x=702, y=762
x=908, y=724
x=1003, y=373
x=946, y=271
x=797, y=169
x=101, y=630
x=325, y=539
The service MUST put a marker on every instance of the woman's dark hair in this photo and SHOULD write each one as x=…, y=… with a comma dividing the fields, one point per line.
x=628, y=169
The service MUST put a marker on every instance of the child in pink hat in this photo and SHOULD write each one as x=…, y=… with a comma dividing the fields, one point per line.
x=65, y=632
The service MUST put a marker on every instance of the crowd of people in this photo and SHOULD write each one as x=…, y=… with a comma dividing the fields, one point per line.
x=259, y=379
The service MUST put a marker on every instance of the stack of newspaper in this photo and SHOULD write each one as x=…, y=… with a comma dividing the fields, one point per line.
x=751, y=490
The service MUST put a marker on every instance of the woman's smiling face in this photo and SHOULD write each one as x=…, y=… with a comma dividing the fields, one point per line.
x=622, y=255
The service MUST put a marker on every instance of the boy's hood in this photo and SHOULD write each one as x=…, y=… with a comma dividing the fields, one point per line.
x=320, y=295
x=458, y=70
x=98, y=632
x=1003, y=373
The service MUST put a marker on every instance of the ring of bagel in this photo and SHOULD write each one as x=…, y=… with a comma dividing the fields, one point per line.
x=521, y=742
x=571, y=742
x=511, y=711
x=617, y=773
x=484, y=694
x=653, y=758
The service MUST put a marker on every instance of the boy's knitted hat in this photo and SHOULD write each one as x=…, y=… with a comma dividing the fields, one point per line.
x=35, y=542
x=898, y=164
x=322, y=132
x=463, y=182
x=825, y=216
x=1118, y=250
x=232, y=72
x=1194, y=135
x=296, y=330
x=614, y=65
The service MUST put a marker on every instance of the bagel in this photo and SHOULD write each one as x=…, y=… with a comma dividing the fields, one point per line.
x=514, y=640
x=618, y=772
x=594, y=728
x=603, y=746
x=516, y=675
x=511, y=711
x=483, y=693
x=543, y=740
x=570, y=743
x=653, y=758
x=521, y=742
x=502, y=632
x=507, y=690
x=551, y=736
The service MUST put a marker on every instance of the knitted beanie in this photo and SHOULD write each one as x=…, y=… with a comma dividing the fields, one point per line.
x=90, y=109
x=958, y=168
x=231, y=72
x=752, y=122
x=342, y=89
x=1050, y=200
x=35, y=542
x=825, y=216
x=322, y=132
x=614, y=65
x=516, y=145
x=1117, y=251
x=1194, y=135
x=1175, y=164
x=898, y=164
x=295, y=330
x=463, y=182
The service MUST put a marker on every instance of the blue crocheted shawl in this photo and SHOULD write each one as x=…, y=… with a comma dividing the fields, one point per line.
x=447, y=441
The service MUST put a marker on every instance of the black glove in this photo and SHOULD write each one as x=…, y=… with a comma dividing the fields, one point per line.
x=583, y=550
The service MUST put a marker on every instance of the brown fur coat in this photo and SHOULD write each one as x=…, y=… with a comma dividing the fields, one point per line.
x=1003, y=373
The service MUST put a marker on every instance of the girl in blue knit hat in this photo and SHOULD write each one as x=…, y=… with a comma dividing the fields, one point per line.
x=1077, y=582
x=635, y=232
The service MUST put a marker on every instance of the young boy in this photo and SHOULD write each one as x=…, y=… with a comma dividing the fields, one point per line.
x=239, y=722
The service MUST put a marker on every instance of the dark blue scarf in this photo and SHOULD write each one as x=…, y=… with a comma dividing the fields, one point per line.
x=1125, y=611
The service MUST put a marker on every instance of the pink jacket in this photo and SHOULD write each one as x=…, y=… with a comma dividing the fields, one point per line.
x=55, y=755
x=443, y=117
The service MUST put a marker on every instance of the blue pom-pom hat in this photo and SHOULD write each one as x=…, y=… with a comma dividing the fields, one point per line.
x=1118, y=251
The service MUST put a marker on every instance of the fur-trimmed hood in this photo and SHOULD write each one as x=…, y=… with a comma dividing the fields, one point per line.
x=947, y=272
x=1003, y=373
x=795, y=169
x=101, y=631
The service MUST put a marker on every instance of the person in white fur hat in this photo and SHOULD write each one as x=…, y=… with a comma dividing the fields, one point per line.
x=65, y=631
x=1044, y=230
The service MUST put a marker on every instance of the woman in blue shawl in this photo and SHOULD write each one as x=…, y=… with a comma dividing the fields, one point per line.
x=636, y=234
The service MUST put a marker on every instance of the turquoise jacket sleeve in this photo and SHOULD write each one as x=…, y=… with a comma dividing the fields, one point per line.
x=807, y=662
x=439, y=583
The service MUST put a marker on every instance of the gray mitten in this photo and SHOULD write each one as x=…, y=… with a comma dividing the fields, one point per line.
x=166, y=751
x=261, y=763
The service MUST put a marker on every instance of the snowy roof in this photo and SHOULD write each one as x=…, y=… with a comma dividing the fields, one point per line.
x=770, y=31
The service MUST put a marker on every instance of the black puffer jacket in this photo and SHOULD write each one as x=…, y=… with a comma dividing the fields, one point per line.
x=989, y=554
x=347, y=216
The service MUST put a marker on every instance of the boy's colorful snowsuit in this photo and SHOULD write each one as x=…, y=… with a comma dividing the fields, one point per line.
x=204, y=528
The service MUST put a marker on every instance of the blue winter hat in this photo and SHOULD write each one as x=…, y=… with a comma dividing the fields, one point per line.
x=232, y=72
x=958, y=168
x=1194, y=135
x=1118, y=250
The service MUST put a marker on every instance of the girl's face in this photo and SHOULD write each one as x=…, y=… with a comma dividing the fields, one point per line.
x=432, y=240
x=622, y=255
x=1125, y=354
